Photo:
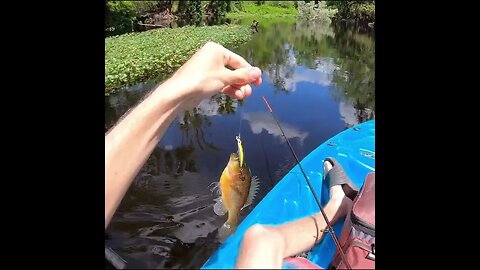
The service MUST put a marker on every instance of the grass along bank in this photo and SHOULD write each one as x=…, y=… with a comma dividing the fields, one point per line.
x=137, y=57
x=268, y=9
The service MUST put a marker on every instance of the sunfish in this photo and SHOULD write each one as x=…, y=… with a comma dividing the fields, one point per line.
x=237, y=189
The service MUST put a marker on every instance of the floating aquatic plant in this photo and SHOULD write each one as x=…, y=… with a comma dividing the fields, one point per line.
x=137, y=57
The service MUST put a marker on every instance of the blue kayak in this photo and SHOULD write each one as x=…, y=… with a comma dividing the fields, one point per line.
x=292, y=199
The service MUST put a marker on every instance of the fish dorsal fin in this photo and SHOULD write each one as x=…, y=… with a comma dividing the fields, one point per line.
x=218, y=207
x=254, y=186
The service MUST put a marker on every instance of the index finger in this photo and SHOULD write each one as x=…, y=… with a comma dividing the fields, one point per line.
x=234, y=60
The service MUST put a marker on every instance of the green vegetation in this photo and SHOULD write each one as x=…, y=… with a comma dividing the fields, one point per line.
x=190, y=10
x=123, y=16
x=137, y=57
x=217, y=8
x=354, y=10
x=315, y=12
x=119, y=17
x=141, y=7
x=310, y=10
x=269, y=8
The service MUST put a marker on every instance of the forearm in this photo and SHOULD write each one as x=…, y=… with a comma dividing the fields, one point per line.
x=131, y=142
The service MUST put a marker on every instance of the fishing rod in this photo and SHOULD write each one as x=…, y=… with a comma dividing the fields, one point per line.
x=329, y=226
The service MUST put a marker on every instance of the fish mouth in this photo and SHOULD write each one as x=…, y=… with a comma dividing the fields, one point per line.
x=233, y=157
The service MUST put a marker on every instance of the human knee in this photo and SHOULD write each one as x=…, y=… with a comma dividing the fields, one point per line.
x=256, y=231
x=261, y=234
x=261, y=248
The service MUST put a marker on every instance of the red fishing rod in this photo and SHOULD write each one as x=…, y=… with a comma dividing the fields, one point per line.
x=329, y=226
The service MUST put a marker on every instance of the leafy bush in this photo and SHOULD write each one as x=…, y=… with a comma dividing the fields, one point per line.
x=119, y=17
x=144, y=6
x=315, y=12
x=282, y=4
x=253, y=9
x=364, y=11
x=236, y=6
x=353, y=10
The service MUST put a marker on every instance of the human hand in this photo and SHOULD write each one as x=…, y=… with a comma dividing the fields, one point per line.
x=206, y=74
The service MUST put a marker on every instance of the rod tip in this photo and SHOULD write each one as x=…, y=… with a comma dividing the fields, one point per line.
x=268, y=105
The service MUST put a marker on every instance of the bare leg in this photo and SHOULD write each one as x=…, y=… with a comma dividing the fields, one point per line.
x=266, y=246
x=262, y=248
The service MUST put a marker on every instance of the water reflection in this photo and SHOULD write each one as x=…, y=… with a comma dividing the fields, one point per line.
x=319, y=79
x=321, y=73
x=355, y=78
x=191, y=125
x=260, y=121
x=170, y=161
x=226, y=105
x=319, y=53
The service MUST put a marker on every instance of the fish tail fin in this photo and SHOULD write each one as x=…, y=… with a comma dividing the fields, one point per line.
x=226, y=230
x=218, y=207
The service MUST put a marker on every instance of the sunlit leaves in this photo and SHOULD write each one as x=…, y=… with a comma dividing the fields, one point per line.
x=315, y=12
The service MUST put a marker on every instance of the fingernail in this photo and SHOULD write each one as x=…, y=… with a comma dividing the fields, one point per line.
x=255, y=72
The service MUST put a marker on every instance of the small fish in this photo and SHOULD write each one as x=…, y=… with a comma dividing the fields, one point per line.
x=237, y=189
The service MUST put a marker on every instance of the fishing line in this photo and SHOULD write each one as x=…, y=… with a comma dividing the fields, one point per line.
x=329, y=226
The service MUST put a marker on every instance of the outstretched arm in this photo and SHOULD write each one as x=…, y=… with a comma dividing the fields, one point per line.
x=129, y=144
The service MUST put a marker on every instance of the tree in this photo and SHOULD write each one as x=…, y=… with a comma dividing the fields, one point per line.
x=119, y=17
x=315, y=13
x=142, y=7
x=165, y=5
x=237, y=6
x=229, y=5
x=217, y=8
x=182, y=7
x=343, y=7
x=354, y=10
x=193, y=11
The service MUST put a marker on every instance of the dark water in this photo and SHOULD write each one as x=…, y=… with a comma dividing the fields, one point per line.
x=319, y=80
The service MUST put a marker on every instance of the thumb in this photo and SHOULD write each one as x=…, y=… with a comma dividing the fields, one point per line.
x=242, y=76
